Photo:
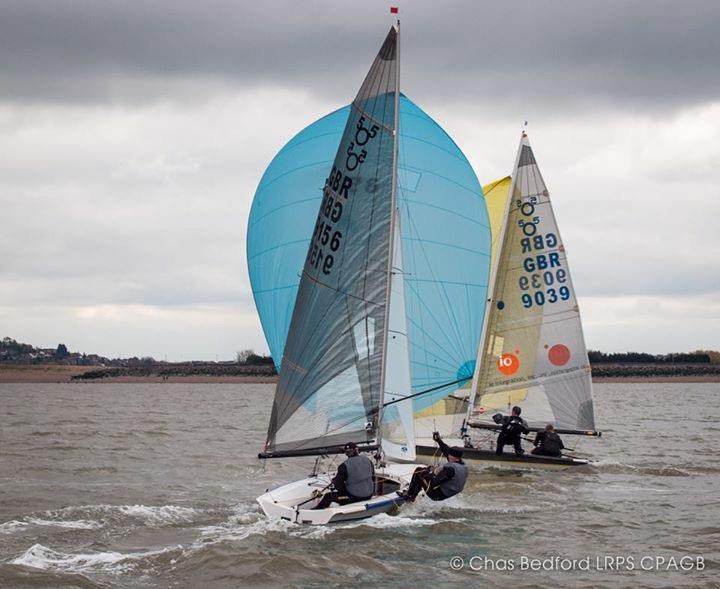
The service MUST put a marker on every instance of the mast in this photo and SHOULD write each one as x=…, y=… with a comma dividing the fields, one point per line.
x=491, y=293
x=393, y=198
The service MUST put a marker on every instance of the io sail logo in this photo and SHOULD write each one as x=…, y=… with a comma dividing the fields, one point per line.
x=508, y=364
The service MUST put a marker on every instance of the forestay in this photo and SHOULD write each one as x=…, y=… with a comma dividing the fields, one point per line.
x=533, y=351
x=329, y=390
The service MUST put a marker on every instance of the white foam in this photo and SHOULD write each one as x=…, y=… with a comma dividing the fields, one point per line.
x=91, y=517
x=384, y=521
x=149, y=514
x=42, y=557
x=239, y=529
x=12, y=526
x=164, y=514
x=21, y=524
x=633, y=489
x=612, y=463
x=80, y=524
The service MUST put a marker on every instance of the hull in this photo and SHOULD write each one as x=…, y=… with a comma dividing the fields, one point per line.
x=295, y=502
x=477, y=457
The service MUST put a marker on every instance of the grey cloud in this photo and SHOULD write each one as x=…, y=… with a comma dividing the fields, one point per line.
x=135, y=134
x=642, y=54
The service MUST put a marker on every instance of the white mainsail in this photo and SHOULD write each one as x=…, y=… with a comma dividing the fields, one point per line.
x=532, y=352
x=398, y=420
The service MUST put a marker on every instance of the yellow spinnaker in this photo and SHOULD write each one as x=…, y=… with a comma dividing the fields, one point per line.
x=496, y=195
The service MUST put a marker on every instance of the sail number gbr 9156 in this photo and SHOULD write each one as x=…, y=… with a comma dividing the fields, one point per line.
x=326, y=238
x=543, y=280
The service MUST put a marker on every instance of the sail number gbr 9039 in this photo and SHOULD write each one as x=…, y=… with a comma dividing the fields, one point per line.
x=326, y=240
x=544, y=279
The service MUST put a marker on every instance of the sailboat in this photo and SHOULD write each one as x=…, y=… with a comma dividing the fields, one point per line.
x=345, y=369
x=532, y=350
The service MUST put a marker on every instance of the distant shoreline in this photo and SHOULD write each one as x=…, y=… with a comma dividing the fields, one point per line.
x=64, y=374
x=656, y=379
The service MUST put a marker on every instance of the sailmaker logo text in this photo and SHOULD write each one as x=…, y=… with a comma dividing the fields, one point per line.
x=606, y=562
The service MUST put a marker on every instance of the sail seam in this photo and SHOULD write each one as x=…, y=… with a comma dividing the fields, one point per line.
x=372, y=118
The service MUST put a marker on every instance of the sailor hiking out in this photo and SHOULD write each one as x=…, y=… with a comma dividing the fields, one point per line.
x=443, y=484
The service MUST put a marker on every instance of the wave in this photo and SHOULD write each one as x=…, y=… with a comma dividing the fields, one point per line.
x=89, y=517
x=22, y=524
x=616, y=467
x=248, y=521
x=608, y=464
x=12, y=526
x=42, y=557
x=148, y=514
x=382, y=521
x=156, y=515
x=233, y=530
x=80, y=524
x=665, y=471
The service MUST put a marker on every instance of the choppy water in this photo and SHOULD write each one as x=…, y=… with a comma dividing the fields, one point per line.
x=127, y=485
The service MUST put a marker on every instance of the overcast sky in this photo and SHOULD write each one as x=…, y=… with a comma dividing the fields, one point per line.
x=133, y=136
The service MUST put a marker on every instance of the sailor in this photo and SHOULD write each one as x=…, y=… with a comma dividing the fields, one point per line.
x=513, y=427
x=448, y=481
x=548, y=443
x=353, y=481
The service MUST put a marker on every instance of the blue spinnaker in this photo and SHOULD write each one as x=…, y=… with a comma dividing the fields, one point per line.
x=445, y=236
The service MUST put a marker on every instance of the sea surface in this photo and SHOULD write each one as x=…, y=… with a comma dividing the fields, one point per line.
x=153, y=485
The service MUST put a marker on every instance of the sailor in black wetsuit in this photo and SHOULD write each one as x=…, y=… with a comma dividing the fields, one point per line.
x=353, y=481
x=449, y=481
x=548, y=443
x=513, y=426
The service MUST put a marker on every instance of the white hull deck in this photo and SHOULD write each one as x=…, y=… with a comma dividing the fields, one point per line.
x=296, y=501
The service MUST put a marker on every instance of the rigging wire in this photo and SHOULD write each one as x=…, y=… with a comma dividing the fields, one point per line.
x=377, y=410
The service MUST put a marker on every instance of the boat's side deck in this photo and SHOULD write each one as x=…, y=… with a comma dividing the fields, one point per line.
x=490, y=458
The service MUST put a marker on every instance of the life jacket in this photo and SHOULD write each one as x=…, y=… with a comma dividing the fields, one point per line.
x=359, y=476
x=551, y=443
x=456, y=484
x=514, y=426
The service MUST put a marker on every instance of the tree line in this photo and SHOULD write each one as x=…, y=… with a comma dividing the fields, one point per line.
x=13, y=351
x=250, y=358
x=697, y=357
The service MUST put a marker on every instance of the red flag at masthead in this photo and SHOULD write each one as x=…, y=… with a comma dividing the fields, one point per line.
x=394, y=10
